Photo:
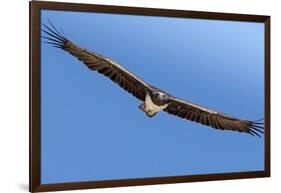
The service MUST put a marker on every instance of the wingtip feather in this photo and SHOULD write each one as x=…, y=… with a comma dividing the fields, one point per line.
x=256, y=128
x=53, y=36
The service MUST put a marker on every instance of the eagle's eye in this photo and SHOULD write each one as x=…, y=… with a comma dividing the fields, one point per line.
x=161, y=96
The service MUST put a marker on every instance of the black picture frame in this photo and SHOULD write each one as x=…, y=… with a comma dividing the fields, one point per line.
x=35, y=168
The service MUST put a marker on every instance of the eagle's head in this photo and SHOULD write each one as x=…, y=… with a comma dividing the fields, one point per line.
x=160, y=98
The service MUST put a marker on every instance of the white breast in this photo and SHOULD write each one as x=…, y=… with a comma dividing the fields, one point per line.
x=150, y=106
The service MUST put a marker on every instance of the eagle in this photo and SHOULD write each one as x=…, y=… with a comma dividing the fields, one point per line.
x=154, y=99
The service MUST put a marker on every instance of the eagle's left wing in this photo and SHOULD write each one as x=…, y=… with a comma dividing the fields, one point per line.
x=103, y=65
x=193, y=112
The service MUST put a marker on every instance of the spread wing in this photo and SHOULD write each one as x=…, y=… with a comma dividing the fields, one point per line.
x=193, y=112
x=118, y=74
x=139, y=88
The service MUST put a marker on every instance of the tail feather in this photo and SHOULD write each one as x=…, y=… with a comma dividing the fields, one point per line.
x=149, y=113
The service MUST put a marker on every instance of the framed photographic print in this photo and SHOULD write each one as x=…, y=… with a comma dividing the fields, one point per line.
x=123, y=96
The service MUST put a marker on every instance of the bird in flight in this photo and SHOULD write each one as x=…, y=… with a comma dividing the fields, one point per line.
x=154, y=99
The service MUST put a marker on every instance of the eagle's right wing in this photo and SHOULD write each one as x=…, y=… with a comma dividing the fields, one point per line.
x=208, y=117
x=118, y=74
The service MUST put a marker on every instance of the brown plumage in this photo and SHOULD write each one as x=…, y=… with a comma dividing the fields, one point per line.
x=140, y=89
x=192, y=112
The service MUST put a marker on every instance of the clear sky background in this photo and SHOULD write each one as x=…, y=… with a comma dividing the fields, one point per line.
x=93, y=130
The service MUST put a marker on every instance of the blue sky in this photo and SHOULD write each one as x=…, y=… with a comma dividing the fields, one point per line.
x=93, y=130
